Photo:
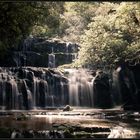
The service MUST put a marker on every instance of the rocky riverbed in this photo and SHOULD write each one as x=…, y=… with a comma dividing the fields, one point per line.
x=78, y=123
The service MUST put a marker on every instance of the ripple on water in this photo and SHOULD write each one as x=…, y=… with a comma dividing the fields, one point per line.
x=45, y=120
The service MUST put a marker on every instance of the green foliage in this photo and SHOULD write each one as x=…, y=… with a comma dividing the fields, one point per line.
x=49, y=21
x=19, y=19
x=105, y=30
x=75, y=18
x=113, y=33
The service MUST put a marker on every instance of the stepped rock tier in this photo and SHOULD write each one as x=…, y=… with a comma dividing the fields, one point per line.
x=34, y=88
x=39, y=52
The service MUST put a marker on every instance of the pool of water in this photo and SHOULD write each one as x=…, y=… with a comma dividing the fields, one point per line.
x=115, y=123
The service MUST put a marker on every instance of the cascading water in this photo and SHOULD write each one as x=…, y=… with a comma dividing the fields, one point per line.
x=29, y=96
x=62, y=93
x=39, y=52
x=8, y=92
x=51, y=62
x=2, y=94
x=116, y=87
x=15, y=94
x=67, y=50
x=16, y=58
x=32, y=91
x=80, y=88
x=39, y=88
x=35, y=91
x=74, y=56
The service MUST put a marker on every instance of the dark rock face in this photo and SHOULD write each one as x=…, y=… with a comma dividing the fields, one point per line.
x=35, y=52
x=102, y=94
x=29, y=88
x=136, y=86
x=67, y=108
x=126, y=86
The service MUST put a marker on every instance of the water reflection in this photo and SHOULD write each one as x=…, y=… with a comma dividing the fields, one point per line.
x=85, y=118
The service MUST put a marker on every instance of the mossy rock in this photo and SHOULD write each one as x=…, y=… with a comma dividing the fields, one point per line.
x=67, y=134
x=82, y=134
x=22, y=117
x=67, y=108
x=61, y=127
x=5, y=132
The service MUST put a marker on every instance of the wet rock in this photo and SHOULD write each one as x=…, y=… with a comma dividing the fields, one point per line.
x=36, y=53
x=67, y=134
x=43, y=113
x=16, y=134
x=101, y=87
x=22, y=117
x=30, y=76
x=55, y=134
x=126, y=81
x=100, y=135
x=82, y=134
x=27, y=134
x=67, y=108
x=26, y=95
x=10, y=96
x=43, y=92
x=5, y=132
x=120, y=132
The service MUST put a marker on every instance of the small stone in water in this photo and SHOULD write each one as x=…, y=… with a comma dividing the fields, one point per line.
x=67, y=108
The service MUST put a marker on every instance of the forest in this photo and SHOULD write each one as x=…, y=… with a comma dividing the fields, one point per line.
x=69, y=69
x=105, y=31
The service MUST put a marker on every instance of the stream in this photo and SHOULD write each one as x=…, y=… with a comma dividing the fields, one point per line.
x=78, y=123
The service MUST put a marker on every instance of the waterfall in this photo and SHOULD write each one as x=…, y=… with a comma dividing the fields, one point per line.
x=91, y=91
x=2, y=94
x=39, y=88
x=15, y=94
x=33, y=52
x=51, y=61
x=52, y=100
x=45, y=92
x=73, y=91
x=116, y=87
x=67, y=51
x=80, y=88
x=62, y=93
x=16, y=58
x=67, y=47
x=9, y=94
x=34, y=92
x=74, y=56
x=28, y=99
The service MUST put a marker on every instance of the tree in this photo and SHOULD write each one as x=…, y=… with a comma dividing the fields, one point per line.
x=112, y=34
x=19, y=18
x=75, y=19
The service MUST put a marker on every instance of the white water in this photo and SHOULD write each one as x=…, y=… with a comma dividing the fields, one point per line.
x=51, y=60
x=49, y=89
x=15, y=94
x=121, y=132
x=80, y=87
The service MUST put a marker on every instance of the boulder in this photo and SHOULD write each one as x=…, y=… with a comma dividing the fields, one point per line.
x=101, y=88
x=67, y=108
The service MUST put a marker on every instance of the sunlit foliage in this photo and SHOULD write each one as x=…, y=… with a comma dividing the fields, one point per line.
x=19, y=19
x=114, y=33
x=75, y=19
x=105, y=31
